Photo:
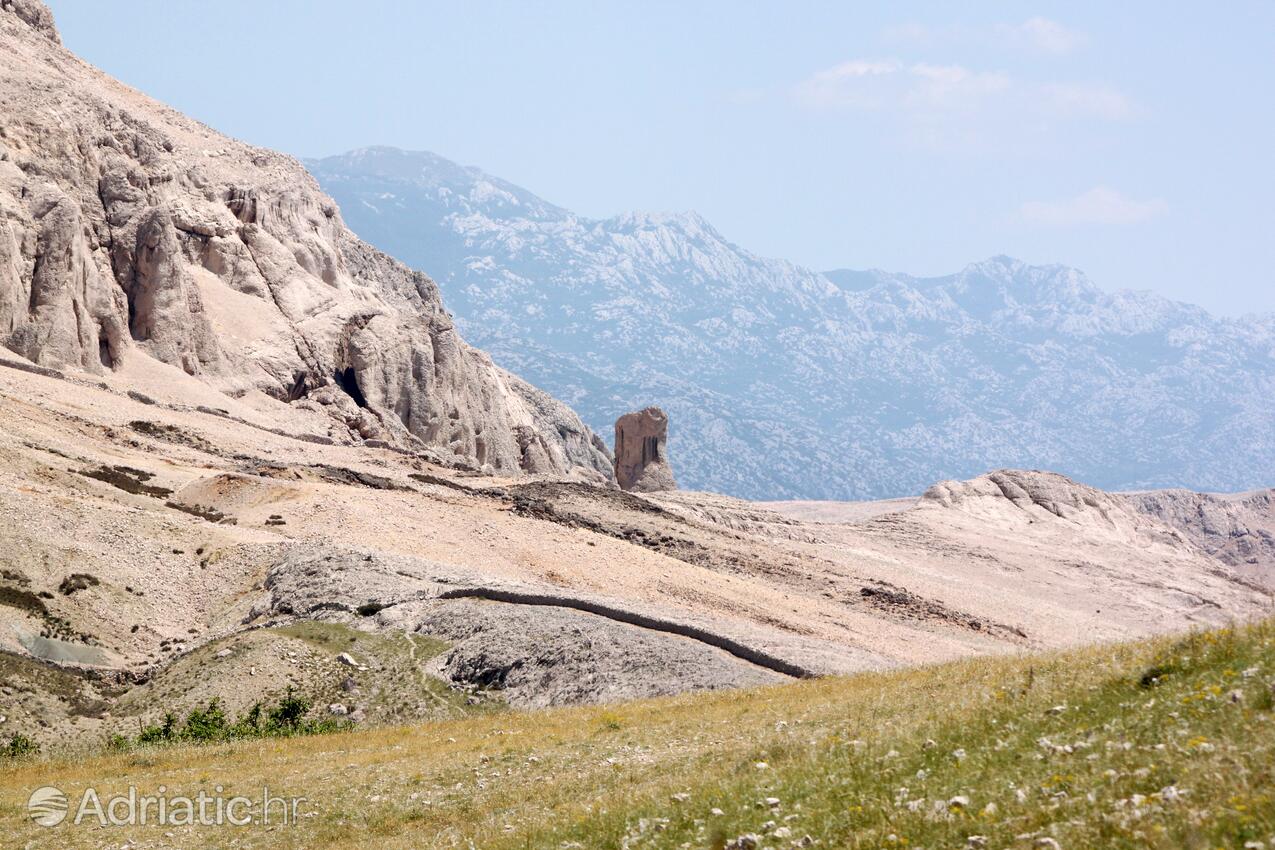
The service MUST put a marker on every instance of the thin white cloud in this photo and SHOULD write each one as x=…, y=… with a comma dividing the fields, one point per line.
x=859, y=83
x=921, y=91
x=1100, y=205
x=1043, y=35
x=954, y=85
x=891, y=85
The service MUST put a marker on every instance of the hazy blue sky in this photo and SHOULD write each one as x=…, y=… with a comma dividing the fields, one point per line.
x=1133, y=140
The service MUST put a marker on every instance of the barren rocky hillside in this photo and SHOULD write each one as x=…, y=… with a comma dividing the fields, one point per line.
x=155, y=553
x=131, y=235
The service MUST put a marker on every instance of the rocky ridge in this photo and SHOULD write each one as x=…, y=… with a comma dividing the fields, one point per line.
x=788, y=383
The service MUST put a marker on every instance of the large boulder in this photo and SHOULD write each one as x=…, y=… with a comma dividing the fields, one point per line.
x=641, y=451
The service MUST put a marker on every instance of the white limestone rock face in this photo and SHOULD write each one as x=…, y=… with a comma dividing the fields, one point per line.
x=1237, y=529
x=1013, y=499
x=129, y=230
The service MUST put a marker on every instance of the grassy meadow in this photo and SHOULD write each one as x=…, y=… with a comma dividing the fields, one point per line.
x=1168, y=743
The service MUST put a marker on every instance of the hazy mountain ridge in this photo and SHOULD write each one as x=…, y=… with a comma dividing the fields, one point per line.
x=781, y=381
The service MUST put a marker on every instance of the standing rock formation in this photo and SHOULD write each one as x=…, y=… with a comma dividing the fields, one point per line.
x=641, y=453
x=128, y=230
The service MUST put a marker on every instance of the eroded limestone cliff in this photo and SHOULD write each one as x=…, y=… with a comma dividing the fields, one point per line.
x=128, y=230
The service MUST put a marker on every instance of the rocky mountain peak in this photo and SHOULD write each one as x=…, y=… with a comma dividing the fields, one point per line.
x=1032, y=491
x=454, y=189
x=1016, y=498
x=1237, y=529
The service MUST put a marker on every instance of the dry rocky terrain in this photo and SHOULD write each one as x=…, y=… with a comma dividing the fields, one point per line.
x=241, y=450
x=154, y=554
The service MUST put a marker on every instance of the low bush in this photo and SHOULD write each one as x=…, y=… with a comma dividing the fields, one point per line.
x=288, y=717
x=19, y=746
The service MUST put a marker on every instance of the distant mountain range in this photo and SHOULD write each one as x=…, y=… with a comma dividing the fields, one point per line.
x=782, y=382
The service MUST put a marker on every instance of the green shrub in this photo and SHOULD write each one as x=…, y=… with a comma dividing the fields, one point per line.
x=289, y=715
x=19, y=746
x=249, y=725
x=166, y=732
x=208, y=724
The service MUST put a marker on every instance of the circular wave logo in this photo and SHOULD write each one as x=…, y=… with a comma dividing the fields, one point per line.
x=47, y=806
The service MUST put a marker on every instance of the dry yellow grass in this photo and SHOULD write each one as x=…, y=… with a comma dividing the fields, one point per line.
x=1076, y=747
